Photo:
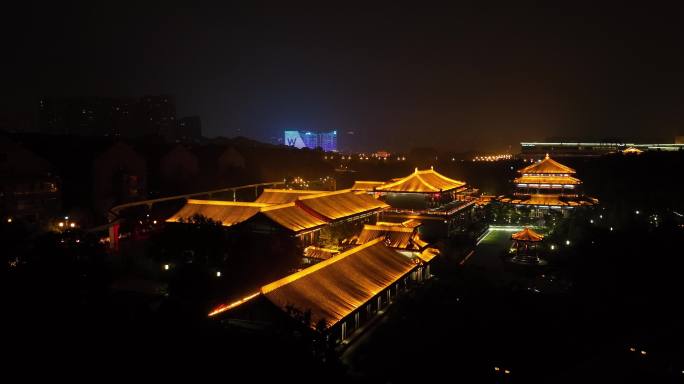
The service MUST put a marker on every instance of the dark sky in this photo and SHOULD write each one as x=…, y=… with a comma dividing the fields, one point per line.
x=456, y=78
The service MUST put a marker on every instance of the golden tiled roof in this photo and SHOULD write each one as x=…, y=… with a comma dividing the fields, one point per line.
x=340, y=204
x=426, y=181
x=310, y=210
x=334, y=288
x=411, y=223
x=396, y=237
x=282, y=196
x=428, y=254
x=527, y=234
x=292, y=217
x=319, y=253
x=226, y=212
x=547, y=166
x=366, y=185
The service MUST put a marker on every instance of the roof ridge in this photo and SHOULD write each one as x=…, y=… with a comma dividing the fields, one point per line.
x=427, y=184
x=272, y=207
x=551, y=161
x=305, y=191
x=330, y=193
x=447, y=178
x=230, y=203
x=389, y=228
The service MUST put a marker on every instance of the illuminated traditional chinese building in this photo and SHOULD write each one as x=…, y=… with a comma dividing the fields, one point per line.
x=548, y=183
x=526, y=247
x=425, y=195
x=335, y=296
x=305, y=214
x=632, y=151
x=401, y=236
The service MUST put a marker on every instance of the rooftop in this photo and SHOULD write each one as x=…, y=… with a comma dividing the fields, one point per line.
x=282, y=196
x=228, y=213
x=527, y=234
x=338, y=205
x=334, y=288
x=547, y=166
x=426, y=181
x=396, y=236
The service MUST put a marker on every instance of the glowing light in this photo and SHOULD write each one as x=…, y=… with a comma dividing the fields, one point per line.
x=218, y=273
x=72, y=225
x=166, y=267
x=9, y=219
x=66, y=217
x=591, y=221
x=224, y=307
x=567, y=242
x=632, y=349
x=61, y=224
x=611, y=228
x=154, y=221
x=507, y=372
x=497, y=369
x=643, y=353
x=637, y=212
x=553, y=247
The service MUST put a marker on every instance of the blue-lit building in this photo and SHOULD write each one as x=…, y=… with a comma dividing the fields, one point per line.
x=308, y=139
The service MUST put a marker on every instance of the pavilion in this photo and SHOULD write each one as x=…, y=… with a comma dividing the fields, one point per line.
x=526, y=247
x=548, y=184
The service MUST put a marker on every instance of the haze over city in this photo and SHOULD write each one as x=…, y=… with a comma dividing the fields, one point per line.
x=478, y=77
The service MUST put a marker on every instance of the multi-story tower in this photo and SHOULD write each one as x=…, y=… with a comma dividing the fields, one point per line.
x=548, y=183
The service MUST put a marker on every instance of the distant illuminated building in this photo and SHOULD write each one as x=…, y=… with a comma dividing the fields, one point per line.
x=632, y=151
x=307, y=139
x=532, y=150
x=382, y=154
x=548, y=183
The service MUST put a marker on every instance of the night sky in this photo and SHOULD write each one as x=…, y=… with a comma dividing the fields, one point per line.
x=454, y=78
